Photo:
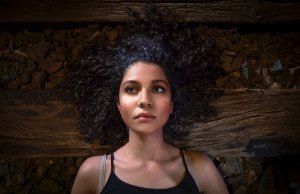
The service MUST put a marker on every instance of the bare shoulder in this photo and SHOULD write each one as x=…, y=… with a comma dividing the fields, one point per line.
x=207, y=174
x=201, y=160
x=87, y=178
x=197, y=156
x=90, y=165
x=201, y=163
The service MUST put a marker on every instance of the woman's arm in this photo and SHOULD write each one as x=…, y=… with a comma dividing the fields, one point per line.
x=207, y=175
x=87, y=179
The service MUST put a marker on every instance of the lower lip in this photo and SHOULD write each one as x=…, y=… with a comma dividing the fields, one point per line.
x=145, y=119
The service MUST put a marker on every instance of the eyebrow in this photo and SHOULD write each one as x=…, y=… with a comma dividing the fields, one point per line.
x=153, y=82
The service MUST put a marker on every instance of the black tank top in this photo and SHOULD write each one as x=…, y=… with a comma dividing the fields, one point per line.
x=115, y=185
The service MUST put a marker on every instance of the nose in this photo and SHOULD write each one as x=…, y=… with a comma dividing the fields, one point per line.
x=145, y=100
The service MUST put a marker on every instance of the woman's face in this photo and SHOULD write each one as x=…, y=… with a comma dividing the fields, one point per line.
x=145, y=98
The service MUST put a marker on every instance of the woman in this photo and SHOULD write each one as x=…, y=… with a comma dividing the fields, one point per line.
x=152, y=80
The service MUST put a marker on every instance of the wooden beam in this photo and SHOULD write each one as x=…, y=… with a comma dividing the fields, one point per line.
x=41, y=123
x=217, y=11
x=250, y=123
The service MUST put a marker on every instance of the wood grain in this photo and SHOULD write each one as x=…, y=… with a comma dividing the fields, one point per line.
x=250, y=123
x=217, y=11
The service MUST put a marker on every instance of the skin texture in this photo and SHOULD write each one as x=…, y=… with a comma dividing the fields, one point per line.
x=145, y=89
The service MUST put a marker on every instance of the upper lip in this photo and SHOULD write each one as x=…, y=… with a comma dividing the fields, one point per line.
x=148, y=115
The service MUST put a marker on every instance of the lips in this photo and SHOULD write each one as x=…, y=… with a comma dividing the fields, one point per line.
x=144, y=117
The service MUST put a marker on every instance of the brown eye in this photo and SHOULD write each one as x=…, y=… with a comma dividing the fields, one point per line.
x=130, y=90
x=158, y=89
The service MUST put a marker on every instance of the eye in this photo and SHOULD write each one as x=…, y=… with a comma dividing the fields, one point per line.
x=158, y=89
x=131, y=90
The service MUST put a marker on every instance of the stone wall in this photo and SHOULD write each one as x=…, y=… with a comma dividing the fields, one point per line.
x=35, y=60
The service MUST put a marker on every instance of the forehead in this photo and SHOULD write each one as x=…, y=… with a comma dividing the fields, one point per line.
x=145, y=71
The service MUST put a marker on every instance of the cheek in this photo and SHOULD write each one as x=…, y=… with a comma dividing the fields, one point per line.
x=167, y=107
x=125, y=105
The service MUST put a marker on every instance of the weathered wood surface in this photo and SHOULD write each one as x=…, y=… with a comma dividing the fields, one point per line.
x=219, y=11
x=41, y=123
x=250, y=123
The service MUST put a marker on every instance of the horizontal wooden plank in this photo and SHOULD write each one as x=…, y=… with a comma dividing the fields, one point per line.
x=250, y=123
x=41, y=123
x=217, y=11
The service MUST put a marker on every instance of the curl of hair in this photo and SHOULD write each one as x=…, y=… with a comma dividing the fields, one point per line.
x=189, y=61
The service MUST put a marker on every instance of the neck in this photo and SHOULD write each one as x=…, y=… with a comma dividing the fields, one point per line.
x=146, y=147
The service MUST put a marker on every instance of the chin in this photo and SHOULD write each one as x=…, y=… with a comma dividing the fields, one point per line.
x=146, y=130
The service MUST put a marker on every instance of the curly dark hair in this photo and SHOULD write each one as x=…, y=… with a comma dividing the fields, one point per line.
x=189, y=61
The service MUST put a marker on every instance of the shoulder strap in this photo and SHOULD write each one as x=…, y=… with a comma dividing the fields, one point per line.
x=102, y=172
x=112, y=162
x=190, y=168
x=184, y=160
